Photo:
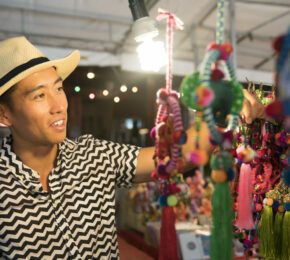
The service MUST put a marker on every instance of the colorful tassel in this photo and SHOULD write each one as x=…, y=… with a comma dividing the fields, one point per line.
x=266, y=233
x=168, y=239
x=286, y=236
x=245, y=215
x=278, y=234
x=222, y=233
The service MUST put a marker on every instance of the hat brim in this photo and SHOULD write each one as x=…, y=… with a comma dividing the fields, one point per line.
x=64, y=67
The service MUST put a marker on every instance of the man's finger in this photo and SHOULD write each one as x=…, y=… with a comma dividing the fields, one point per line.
x=247, y=111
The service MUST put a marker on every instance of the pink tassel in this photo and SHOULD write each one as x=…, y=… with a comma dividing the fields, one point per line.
x=245, y=216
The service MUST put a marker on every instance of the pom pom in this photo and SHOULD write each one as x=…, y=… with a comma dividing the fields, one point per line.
x=225, y=50
x=287, y=206
x=217, y=75
x=258, y=207
x=275, y=204
x=212, y=46
x=171, y=200
x=197, y=157
x=163, y=201
x=277, y=43
x=270, y=202
x=162, y=95
x=231, y=174
x=173, y=188
x=275, y=110
x=152, y=133
x=204, y=96
x=219, y=176
x=281, y=208
x=154, y=175
x=246, y=154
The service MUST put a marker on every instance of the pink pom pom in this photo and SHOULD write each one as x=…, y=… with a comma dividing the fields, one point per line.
x=154, y=175
x=275, y=109
x=152, y=133
x=212, y=46
x=225, y=50
x=162, y=95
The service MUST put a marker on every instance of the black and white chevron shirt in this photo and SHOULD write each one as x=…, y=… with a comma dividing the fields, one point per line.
x=76, y=220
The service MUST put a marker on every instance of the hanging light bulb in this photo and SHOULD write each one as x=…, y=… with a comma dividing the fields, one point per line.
x=152, y=55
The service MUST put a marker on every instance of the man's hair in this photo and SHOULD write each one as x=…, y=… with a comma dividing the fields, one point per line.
x=6, y=98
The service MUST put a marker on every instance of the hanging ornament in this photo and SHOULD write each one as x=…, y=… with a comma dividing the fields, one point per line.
x=169, y=135
x=214, y=97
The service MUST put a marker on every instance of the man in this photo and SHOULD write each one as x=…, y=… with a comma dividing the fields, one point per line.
x=57, y=195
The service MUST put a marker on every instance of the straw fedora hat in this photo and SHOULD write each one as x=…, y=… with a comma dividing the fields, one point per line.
x=19, y=59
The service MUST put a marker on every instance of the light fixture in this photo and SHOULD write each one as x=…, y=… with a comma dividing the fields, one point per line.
x=116, y=99
x=134, y=89
x=152, y=55
x=91, y=75
x=123, y=88
x=92, y=96
x=105, y=92
x=77, y=89
x=143, y=27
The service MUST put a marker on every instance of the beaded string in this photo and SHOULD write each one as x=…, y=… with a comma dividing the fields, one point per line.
x=168, y=131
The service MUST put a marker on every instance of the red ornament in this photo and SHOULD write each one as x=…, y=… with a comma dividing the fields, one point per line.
x=212, y=46
x=217, y=75
x=225, y=50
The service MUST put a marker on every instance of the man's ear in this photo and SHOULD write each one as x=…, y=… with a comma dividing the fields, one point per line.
x=4, y=115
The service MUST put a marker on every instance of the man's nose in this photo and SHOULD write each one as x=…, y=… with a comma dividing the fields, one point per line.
x=57, y=104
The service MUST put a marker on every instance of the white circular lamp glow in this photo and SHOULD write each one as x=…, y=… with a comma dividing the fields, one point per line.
x=105, y=92
x=116, y=99
x=152, y=55
x=91, y=75
x=123, y=88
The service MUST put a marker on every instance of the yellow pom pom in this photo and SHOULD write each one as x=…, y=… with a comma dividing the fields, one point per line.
x=171, y=200
x=270, y=202
x=219, y=176
x=281, y=208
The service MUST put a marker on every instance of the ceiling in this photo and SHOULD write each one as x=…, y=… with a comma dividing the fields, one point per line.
x=101, y=29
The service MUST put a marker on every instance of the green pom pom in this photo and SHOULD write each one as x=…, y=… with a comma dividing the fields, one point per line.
x=188, y=90
x=171, y=200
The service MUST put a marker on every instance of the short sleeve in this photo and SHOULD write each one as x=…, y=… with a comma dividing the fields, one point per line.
x=123, y=159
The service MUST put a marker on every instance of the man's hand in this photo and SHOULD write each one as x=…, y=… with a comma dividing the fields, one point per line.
x=252, y=108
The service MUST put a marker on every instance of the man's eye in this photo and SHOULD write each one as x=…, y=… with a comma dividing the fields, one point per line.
x=39, y=96
x=60, y=89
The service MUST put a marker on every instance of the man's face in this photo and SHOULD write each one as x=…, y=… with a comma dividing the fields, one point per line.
x=39, y=113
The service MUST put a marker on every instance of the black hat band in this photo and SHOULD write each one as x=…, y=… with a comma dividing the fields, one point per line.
x=19, y=69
